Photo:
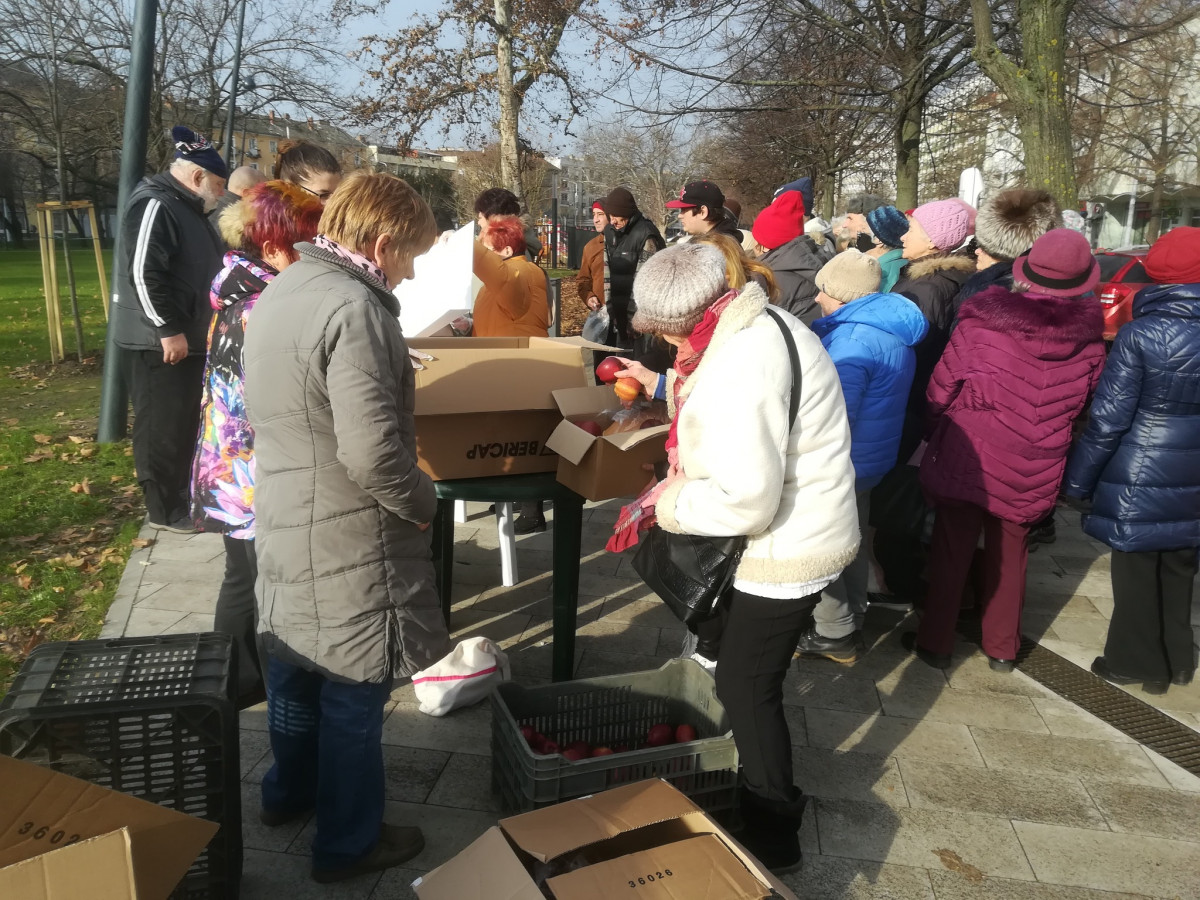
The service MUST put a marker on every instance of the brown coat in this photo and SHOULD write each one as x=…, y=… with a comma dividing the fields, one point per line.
x=590, y=280
x=513, y=300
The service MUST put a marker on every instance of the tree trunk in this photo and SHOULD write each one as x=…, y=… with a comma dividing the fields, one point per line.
x=908, y=153
x=510, y=103
x=1035, y=87
x=1154, y=225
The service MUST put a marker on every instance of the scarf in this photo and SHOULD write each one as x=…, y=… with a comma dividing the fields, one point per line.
x=639, y=516
x=354, y=261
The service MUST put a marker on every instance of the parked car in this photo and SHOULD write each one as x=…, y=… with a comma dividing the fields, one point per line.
x=1121, y=277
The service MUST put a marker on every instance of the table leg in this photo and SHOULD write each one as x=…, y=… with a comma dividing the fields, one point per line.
x=568, y=538
x=443, y=554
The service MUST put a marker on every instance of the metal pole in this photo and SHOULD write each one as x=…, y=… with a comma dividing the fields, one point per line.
x=233, y=85
x=114, y=390
x=554, y=225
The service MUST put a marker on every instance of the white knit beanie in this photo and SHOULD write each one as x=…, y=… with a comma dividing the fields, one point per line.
x=849, y=275
x=674, y=287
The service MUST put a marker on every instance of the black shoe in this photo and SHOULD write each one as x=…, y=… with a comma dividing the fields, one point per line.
x=1183, y=677
x=274, y=818
x=908, y=641
x=1040, y=534
x=1001, y=665
x=1149, y=685
x=178, y=525
x=528, y=525
x=771, y=830
x=397, y=844
x=814, y=645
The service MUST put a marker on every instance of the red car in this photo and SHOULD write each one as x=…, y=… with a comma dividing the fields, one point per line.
x=1121, y=277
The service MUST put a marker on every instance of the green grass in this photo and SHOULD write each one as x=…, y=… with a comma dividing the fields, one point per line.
x=69, y=508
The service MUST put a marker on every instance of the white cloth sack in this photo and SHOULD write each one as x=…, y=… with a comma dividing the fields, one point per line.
x=462, y=677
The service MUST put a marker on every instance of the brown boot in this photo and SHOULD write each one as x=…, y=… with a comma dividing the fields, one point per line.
x=397, y=844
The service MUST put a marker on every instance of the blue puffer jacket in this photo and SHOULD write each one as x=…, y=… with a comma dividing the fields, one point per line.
x=871, y=342
x=1139, y=458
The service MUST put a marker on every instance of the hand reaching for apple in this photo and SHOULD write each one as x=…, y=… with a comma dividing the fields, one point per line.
x=635, y=371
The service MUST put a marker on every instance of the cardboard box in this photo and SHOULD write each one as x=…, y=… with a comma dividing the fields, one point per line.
x=485, y=406
x=647, y=835
x=600, y=468
x=66, y=839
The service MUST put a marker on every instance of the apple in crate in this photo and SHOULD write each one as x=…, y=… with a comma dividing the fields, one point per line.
x=590, y=427
x=660, y=735
x=685, y=733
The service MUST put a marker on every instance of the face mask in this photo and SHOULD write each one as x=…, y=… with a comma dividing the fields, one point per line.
x=864, y=242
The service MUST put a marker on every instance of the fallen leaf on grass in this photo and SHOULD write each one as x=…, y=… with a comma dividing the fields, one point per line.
x=85, y=452
x=48, y=620
x=75, y=439
x=82, y=487
x=59, y=415
x=142, y=542
x=58, y=590
x=24, y=582
x=39, y=456
x=42, y=438
x=113, y=479
x=12, y=421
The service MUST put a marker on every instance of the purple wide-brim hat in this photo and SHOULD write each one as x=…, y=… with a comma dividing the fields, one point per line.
x=1060, y=264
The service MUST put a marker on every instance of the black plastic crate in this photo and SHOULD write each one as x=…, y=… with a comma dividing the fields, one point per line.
x=615, y=710
x=152, y=717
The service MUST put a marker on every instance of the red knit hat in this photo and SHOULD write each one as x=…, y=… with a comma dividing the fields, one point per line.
x=780, y=222
x=1175, y=257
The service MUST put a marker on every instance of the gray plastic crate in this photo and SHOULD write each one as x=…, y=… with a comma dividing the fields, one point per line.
x=614, y=710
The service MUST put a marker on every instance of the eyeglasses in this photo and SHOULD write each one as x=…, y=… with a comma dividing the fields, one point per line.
x=320, y=195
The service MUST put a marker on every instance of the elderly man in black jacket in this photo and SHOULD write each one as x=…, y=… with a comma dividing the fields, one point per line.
x=169, y=255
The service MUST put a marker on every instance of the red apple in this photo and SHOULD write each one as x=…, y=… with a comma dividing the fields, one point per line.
x=650, y=423
x=608, y=369
x=591, y=428
x=660, y=735
x=602, y=751
x=628, y=389
x=549, y=748
x=581, y=746
x=684, y=733
x=529, y=734
x=574, y=755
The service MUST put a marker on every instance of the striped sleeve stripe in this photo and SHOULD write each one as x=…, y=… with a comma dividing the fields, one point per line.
x=139, y=261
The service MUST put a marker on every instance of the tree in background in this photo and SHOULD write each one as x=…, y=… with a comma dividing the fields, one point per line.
x=473, y=66
x=651, y=160
x=480, y=170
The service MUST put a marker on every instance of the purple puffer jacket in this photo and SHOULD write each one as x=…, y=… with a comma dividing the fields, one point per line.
x=1017, y=372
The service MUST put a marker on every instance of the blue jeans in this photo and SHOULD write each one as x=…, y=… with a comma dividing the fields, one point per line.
x=327, y=740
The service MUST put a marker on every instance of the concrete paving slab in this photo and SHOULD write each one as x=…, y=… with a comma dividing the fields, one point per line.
x=837, y=775
x=948, y=885
x=840, y=690
x=1142, y=810
x=831, y=878
x=1107, y=861
x=921, y=837
x=271, y=876
x=466, y=783
x=882, y=736
x=1004, y=794
x=1072, y=757
x=995, y=710
x=1066, y=719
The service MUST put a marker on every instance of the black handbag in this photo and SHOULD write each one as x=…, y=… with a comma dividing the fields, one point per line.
x=692, y=573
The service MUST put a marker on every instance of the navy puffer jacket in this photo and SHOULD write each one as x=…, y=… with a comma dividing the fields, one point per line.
x=1139, y=458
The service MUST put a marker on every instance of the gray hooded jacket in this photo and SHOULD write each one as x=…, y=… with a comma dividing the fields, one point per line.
x=345, y=576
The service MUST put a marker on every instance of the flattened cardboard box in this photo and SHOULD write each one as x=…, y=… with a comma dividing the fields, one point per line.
x=645, y=841
x=485, y=406
x=66, y=839
x=600, y=468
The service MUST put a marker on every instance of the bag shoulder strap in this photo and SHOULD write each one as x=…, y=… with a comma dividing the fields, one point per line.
x=794, y=356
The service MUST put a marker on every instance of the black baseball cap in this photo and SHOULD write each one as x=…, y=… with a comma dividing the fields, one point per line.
x=698, y=193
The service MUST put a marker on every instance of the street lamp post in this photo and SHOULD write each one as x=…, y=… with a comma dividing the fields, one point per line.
x=233, y=84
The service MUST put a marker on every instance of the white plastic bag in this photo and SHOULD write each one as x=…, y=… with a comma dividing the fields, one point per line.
x=598, y=328
x=462, y=677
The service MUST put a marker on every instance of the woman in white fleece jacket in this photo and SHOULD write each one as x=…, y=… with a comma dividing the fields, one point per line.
x=739, y=468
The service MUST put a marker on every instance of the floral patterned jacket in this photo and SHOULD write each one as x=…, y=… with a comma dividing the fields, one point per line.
x=223, y=466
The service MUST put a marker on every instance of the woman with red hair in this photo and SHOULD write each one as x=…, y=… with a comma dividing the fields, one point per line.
x=513, y=300
x=261, y=229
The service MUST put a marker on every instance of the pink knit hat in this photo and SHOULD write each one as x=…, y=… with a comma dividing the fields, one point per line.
x=947, y=222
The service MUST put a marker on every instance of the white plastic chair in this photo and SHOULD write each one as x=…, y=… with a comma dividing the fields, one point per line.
x=505, y=520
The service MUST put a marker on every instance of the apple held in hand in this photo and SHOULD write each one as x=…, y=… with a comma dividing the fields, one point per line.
x=608, y=369
x=627, y=389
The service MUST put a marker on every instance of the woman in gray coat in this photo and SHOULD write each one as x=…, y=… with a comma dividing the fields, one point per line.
x=346, y=589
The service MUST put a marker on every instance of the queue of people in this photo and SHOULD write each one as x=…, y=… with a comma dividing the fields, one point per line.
x=942, y=354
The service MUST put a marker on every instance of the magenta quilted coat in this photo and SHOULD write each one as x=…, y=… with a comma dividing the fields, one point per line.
x=1018, y=371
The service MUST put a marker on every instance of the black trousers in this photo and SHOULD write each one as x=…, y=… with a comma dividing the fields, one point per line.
x=756, y=650
x=237, y=613
x=1150, y=635
x=166, y=420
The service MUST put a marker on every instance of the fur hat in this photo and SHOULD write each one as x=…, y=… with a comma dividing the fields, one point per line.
x=1009, y=222
x=947, y=222
x=850, y=275
x=675, y=286
x=780, y=222
x=888, y=224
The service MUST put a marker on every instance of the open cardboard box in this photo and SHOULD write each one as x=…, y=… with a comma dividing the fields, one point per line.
x=600, y=468
x=647, y=836
x=485, y=406
x=66, y=839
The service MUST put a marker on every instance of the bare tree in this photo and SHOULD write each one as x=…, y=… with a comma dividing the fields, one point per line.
x=650, y=160
x=473, y=66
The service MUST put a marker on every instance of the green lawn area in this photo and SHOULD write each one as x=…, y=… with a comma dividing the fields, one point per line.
x=69, y=508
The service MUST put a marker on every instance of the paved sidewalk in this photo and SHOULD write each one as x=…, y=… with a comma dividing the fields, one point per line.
x=957, y=785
